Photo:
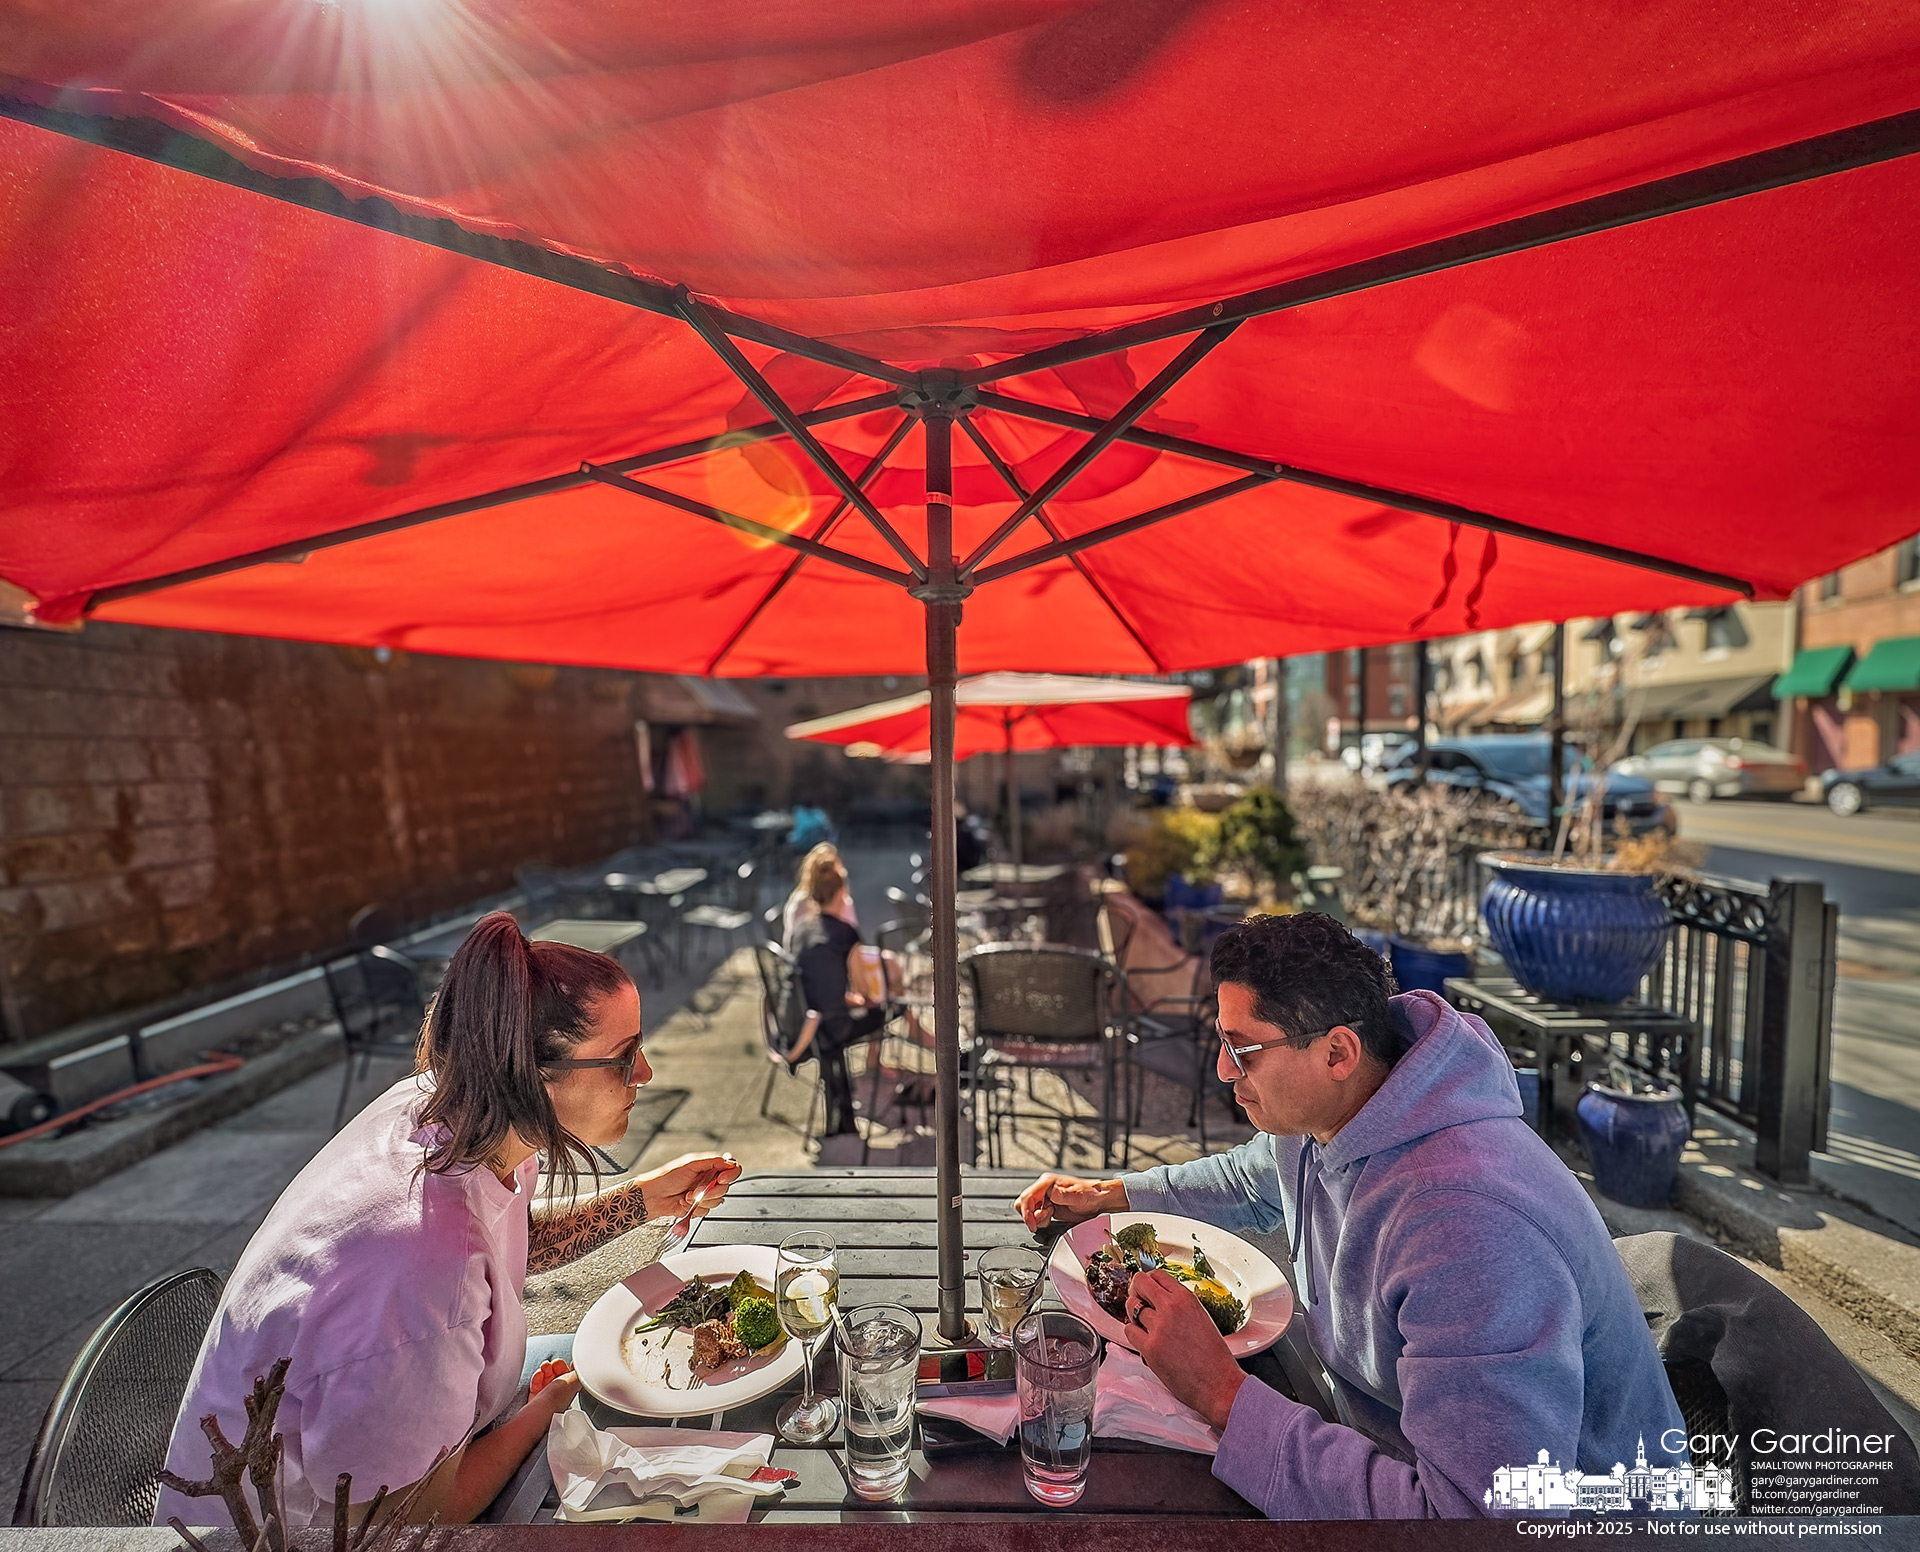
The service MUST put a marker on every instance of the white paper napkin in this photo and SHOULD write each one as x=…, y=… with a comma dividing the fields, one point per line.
x=1132, y=1404
x=998, y=1417
x=646, y=1473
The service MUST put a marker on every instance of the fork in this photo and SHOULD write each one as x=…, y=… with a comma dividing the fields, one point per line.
x=682, y=1228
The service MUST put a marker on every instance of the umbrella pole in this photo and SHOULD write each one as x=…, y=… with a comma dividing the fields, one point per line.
x=1013, y=800
x=942, y=596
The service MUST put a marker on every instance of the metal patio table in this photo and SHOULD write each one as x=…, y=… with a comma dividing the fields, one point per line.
x=884, y=1223
x=603, y=937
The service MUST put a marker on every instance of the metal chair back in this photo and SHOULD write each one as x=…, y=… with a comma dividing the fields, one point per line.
x=376, y=998
x=1044, y=993
x=783, y=1006
x=97, y=1459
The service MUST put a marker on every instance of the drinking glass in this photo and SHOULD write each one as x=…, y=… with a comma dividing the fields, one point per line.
x=879, y=1348
x=1012, y=1278
x=806, y=1286
x=1056, y=1366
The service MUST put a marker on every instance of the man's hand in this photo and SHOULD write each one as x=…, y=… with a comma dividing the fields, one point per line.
x=1182, y=1345
x=1065, y=1199
x=670, y=1189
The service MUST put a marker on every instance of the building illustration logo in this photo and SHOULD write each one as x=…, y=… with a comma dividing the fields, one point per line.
x=1648, y=1489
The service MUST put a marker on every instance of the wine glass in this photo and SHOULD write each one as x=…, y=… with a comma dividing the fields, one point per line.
x=806, y=1287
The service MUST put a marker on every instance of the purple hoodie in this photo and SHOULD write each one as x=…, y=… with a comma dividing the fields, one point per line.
x=1456, y=1282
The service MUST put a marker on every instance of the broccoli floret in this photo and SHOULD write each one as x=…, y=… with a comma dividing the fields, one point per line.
x=755, y=1322
x=742, y=1288
x=1138, y=1238
x=1228, y=1313
x=1202, y=1265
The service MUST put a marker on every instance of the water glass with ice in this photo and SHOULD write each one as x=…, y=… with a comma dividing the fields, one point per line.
x=1012, y=1278
x=1056, y=1365
x=879, y=1347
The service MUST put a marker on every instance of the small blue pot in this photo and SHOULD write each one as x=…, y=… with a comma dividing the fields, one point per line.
x=1573, y=934
x=1633, y=1142
x=1528, y=1080
x=1421, y=969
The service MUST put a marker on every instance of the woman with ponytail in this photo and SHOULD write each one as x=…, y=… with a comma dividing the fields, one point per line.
x=390, y=1271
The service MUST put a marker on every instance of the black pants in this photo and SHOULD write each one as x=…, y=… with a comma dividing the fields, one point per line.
x=830, y=1044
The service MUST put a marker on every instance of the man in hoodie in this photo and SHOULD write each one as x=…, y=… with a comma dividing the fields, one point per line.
x=1455, y=1281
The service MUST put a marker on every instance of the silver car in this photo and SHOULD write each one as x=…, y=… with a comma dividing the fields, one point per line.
x=1709, y=768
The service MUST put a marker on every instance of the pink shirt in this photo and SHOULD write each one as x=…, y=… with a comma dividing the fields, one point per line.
x=397, y=1295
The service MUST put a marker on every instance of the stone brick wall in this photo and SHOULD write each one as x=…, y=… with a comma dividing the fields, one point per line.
x=179, y=810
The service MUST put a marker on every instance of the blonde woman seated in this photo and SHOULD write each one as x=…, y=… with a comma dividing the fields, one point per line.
x=823, y=859
x=390, y=1271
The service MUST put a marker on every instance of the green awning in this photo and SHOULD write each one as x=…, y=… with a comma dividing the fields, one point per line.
x=1814, y=672
x=1891, y=665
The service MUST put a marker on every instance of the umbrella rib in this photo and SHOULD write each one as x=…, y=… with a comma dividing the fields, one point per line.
x=703, y=323
x=299, y=549
x=1012, y=482
x=1159, y=441
x=1383, y=495
x=819, y=535
x=1027, y=559
x=1800, y=162
x=1196, y=350
x=745, y=525
x=153, y=141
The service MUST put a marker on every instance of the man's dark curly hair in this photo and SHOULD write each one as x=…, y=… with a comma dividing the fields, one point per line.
x=1308, y=973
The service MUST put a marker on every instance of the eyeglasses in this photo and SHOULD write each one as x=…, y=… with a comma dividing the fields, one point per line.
x=624, y=1062
x=1235, y=1052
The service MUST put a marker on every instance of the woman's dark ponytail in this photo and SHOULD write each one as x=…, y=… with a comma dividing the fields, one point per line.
x=505, y=1009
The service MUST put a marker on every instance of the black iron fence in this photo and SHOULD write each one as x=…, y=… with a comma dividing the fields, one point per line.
x=1751, y=968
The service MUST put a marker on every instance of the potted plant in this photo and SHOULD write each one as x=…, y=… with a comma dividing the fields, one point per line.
x=1583, y=922
x=1634, y=1131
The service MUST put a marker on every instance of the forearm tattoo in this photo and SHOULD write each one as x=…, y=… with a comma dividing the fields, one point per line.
x=554, y=1239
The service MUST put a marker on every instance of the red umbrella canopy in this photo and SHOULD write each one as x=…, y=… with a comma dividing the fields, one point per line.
x=1030, y=711
x=1453, y=286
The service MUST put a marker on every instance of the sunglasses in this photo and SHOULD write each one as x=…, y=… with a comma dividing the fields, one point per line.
x=1235, y=1052
x=624, y=1062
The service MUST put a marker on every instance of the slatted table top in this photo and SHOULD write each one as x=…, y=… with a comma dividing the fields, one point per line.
x=883, y=1221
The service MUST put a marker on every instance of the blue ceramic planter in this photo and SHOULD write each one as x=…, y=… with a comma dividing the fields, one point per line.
x=1633, y=1142
x=1421, y=969
x=1573, y=934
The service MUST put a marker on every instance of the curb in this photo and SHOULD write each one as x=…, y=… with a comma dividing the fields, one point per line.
x=60, y=1166
x=1860, y=1262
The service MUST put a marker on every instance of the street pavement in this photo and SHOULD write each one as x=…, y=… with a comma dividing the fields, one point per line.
x=1870, y=865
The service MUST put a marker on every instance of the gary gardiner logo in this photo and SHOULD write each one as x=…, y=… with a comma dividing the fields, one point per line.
x=1647, y=1489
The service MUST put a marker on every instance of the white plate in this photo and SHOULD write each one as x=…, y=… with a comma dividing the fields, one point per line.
x=629, y=1371
x=1248, y=1274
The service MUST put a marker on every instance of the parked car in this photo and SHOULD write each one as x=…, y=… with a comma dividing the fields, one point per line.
x=1514, y=766
x=1709, y=768
x=1375, y=751
x=1893, y=784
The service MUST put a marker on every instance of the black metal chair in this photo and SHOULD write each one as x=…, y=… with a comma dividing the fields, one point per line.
x=104, y=1439
x=376, y=999
x=728, y=907
x=783, y=1015
x=1741, y=1355
x=1045, y=1007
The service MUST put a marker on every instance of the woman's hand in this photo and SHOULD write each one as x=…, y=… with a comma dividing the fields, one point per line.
x=670, y=1190
x=554, y=1385
x=1181, y=1344
x=1065, y=1199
